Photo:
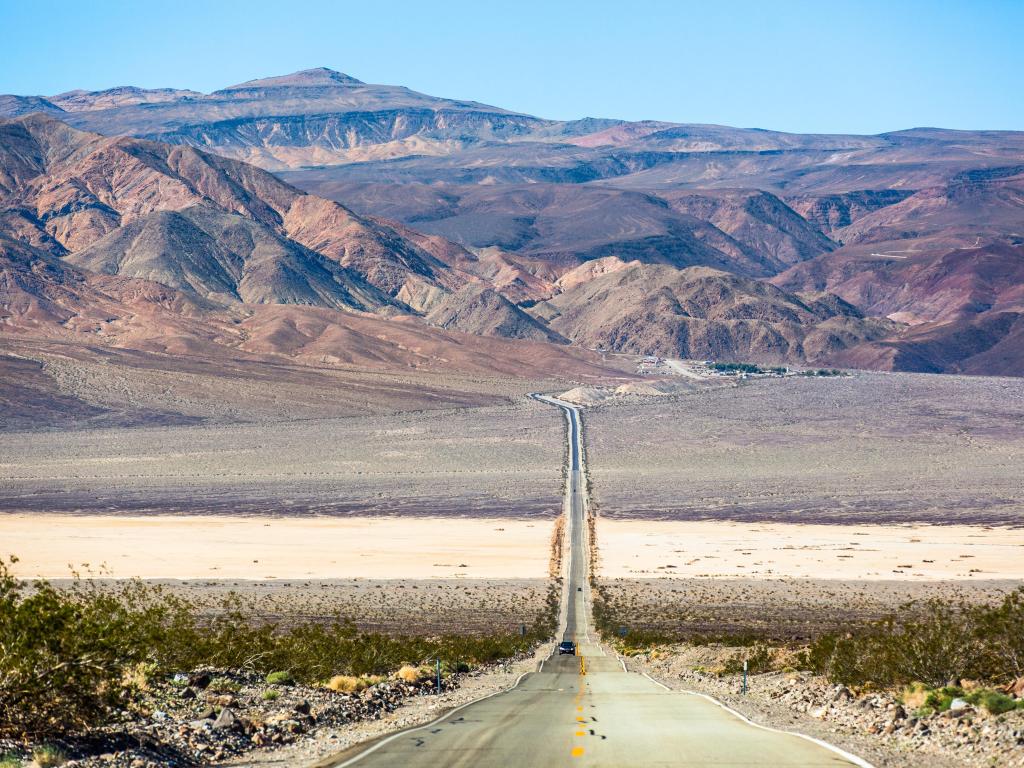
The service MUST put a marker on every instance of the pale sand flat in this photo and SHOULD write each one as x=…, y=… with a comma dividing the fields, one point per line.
x=166, y=547
x=635, y=548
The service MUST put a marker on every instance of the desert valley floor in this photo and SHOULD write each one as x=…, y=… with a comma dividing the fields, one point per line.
x=779, y=492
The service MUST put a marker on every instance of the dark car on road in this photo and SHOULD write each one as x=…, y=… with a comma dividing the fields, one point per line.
x=567, y=646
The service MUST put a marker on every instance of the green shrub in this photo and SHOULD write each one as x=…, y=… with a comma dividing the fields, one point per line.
x=931, y=644
x=271, y=695
x=10, y=761
x=999, y=630
x=48, y=756
x=760, y=658
x=940, y=699
x=993, y=702
x=224, y=685
x=62, y=661
x=736, y=368
x=280, y=678
x=70, y=658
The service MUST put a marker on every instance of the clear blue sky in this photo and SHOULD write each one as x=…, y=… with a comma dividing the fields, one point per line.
x=856, y=66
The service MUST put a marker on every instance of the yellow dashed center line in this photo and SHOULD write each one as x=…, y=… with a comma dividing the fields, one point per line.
x=577, y=751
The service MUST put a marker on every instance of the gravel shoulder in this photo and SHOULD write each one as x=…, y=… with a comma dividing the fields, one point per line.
x=871, y=725
x=321, y=744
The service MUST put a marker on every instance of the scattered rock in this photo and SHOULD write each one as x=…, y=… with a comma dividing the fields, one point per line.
x=958, y=705
x=226, y=719
x=200, y=680
x=1016, y=688
x=842, y=693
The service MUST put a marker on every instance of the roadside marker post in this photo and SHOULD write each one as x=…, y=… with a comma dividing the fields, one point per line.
x=438, y=677
x=744, y=691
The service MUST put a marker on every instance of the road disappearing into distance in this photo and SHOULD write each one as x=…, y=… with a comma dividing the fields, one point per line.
x=588, y=710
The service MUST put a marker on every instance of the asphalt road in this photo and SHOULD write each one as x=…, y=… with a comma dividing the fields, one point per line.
x=587, y=710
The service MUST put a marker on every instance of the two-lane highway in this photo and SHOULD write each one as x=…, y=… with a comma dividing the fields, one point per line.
x=575, y=619
x=587, y=710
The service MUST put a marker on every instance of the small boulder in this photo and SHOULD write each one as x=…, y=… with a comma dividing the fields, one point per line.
x=303, y=707
x=200, y=680
x=188, y=693
x=1015, y=689
x=225, y=720
x=841, y=693
x=958, y=705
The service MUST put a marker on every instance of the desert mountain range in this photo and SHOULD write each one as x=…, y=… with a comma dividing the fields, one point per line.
x=283, y=215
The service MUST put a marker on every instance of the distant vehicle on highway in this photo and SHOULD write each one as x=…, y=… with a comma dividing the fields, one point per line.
x=567, y=646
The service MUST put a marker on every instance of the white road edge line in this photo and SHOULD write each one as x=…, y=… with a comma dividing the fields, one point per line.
x=858, y=761
x=356, y=758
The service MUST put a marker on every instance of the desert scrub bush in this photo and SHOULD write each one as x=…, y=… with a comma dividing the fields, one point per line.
x=69, y=658
x=943, y=642
x=351, y=684
x=999, y=629
x=994, y=702
x=62, y=661
x=926, y=701
x=410, y=674
x=760, y=658
x=280, y=678
x=10, y=760
x=271, y=695
x=48, y=756
x=224, y=685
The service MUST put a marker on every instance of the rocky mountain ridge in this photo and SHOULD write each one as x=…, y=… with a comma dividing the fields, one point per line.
x=422, y=205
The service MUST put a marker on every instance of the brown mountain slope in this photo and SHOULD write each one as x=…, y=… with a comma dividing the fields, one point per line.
x=965, y=305
x=700, y=312
x=972, y=207
x=44, y=297
x=759, y=220
x=565, y=224
x=918, y=287
x=483, y=311
x=74, y=188
x=309, y=117
x=46, y=301
x=990, y=344
x=226, y=258
x=831, y=212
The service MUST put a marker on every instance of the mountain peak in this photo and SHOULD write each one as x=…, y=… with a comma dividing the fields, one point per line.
x=317, y=77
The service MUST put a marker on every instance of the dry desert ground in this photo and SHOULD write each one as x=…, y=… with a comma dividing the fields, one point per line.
x=493, y=461
x=411, y=521
x=821, y=499
x=782, y=506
